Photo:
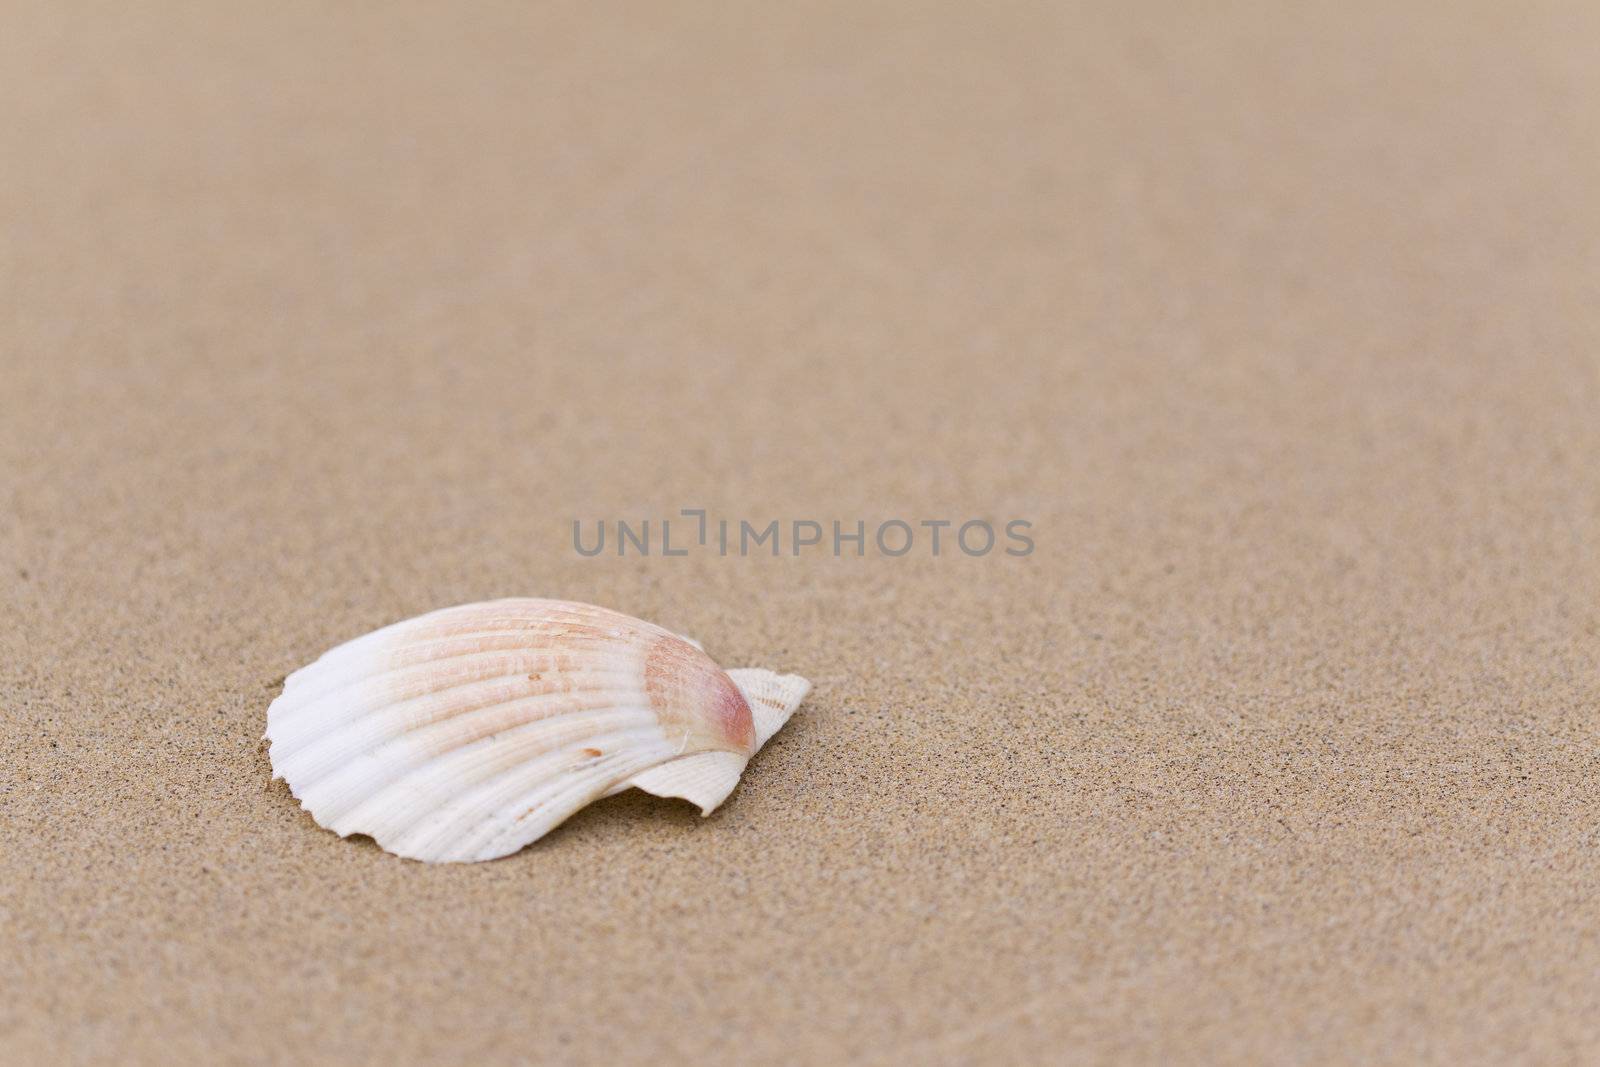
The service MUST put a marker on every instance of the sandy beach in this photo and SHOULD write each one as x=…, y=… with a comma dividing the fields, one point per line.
x=1279, y=328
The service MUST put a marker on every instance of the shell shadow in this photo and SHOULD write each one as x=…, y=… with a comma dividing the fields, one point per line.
x=617, y=814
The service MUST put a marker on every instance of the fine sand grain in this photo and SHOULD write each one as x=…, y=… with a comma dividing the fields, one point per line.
x=1280, y=323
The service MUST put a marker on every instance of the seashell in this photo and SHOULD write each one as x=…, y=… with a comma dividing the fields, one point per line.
x=467, y=733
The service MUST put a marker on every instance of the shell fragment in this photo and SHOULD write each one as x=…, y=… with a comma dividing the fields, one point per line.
x=467, y=733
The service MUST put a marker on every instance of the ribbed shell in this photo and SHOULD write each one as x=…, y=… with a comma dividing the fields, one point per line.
x=469, y=732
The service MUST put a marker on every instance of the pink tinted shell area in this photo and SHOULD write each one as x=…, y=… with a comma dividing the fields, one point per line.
x=686, y=687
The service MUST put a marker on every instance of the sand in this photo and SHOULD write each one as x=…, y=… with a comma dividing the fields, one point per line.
x=1282, y=329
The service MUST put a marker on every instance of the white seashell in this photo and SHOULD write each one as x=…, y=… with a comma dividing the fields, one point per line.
x=467, y=733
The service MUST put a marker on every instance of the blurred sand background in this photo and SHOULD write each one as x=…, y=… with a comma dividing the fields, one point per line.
x=1282, y=326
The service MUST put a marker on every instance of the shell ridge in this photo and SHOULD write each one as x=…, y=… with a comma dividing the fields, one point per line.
x=373, y=637
x=297, y=706
x=352, y=740
x=472, y=814
x=466, y=770
x=313, y=682
x=531, y=613
x=478, y=817
x=553, y=810
x=290, y=726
